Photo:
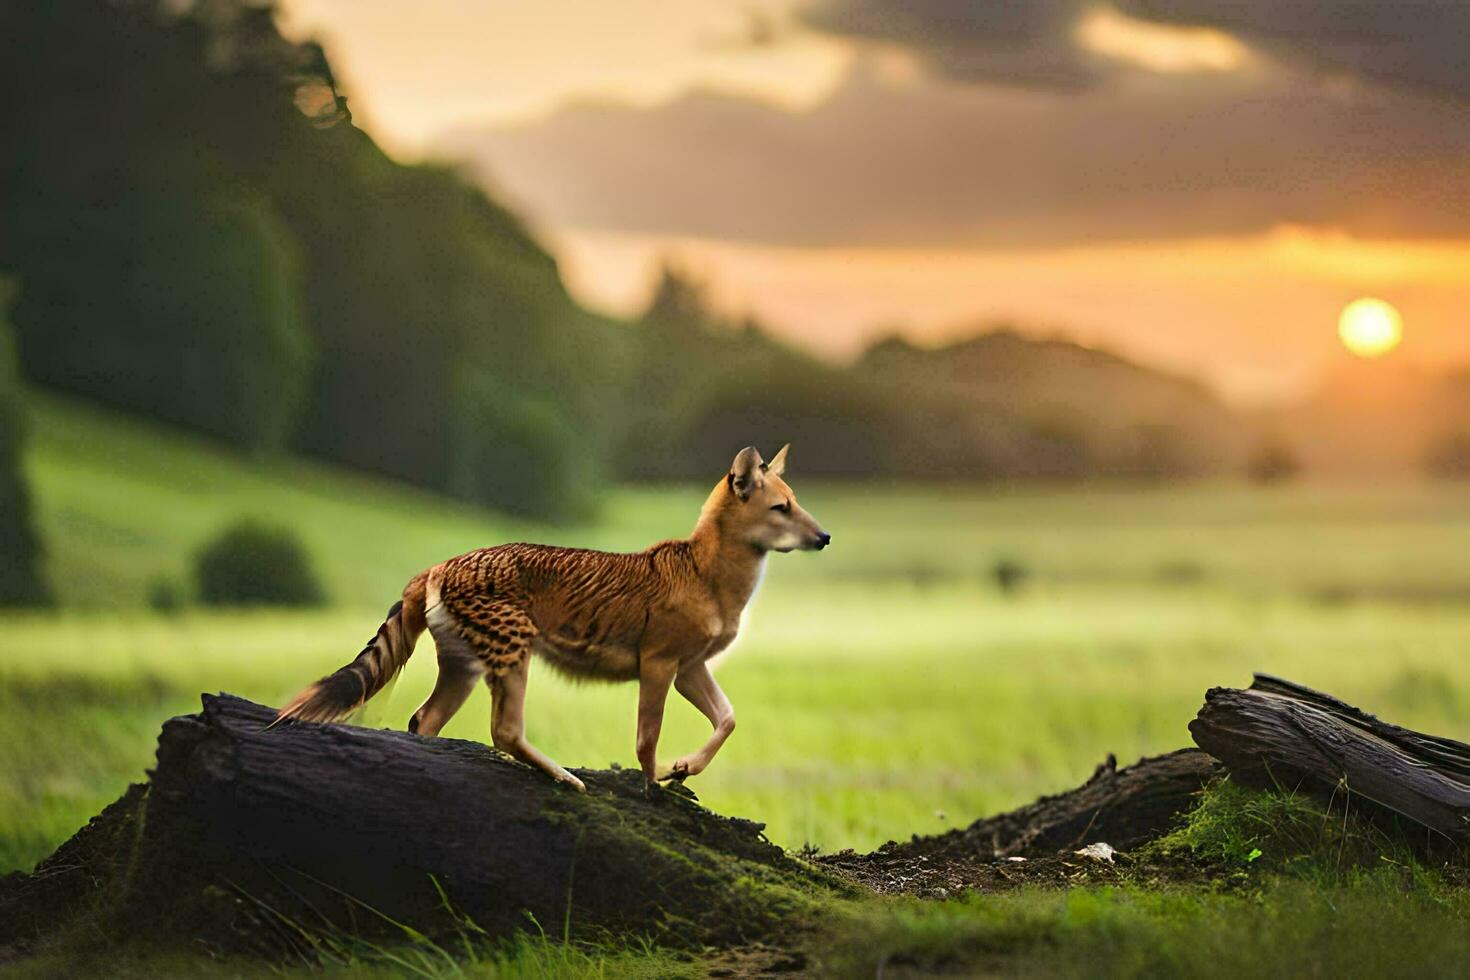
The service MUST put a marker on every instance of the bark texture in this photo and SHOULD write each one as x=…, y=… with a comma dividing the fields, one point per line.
x=244, y=834
x=1277, y=732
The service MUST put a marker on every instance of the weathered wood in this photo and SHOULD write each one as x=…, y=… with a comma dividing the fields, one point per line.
x=244, y=833
x=1278, y=732
x=1034, y=845
x=1124, y=807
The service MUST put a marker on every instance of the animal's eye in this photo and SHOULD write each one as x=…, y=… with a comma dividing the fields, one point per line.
x=783, y=508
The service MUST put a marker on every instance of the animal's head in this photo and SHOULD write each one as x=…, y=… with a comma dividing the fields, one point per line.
x=762, y=510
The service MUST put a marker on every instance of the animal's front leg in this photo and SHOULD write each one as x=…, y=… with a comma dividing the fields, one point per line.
x=654, y=677
x=699, y=688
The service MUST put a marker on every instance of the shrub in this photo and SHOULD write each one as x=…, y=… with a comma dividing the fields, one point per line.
x=1010, y=575
x=1180, y=571
x=1272, y=462
x=1449, y=457
x=252, y=564
x=166, y=595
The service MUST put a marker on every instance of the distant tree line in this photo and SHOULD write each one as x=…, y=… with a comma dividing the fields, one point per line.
x=201, y=235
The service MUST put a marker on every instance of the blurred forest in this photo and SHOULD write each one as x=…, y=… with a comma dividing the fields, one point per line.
x=202, y=236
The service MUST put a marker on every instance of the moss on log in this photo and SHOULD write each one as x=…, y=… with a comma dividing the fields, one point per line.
x=245, y=837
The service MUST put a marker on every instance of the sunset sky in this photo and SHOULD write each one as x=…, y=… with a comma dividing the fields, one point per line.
x=1201, y=184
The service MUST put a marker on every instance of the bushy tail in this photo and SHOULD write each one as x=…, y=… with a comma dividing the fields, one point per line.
x=343, y=691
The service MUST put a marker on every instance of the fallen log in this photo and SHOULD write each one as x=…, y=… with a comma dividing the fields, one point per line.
x=251, y=838
x=1124, y=807
x=1277, y=733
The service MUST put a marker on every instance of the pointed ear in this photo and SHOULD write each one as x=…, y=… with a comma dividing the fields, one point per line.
x=746, y=472
x=778, y=464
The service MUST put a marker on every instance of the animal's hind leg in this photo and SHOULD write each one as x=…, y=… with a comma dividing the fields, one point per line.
x=508, y=719
x=460, y=666
x=456, y=680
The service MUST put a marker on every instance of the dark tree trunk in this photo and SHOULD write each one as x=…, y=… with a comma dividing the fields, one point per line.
x=242, y=834
x=1277, y=732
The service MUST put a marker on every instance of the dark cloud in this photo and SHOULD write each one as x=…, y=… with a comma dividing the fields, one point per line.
x=929, y=164
x=1424, y=43
x=1026, y=43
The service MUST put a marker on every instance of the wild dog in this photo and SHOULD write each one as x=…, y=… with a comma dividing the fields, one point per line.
x=654, y=616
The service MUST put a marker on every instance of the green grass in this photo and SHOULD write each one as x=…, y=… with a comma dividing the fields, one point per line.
x=1284, y=830
x=884, y=687
x=1369, y=928
x=1297, y=889
x=523, y=958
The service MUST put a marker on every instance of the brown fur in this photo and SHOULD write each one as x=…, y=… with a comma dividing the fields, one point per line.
x=654, y=616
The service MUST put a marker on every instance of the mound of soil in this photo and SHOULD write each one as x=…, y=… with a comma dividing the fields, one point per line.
x=245, y=838
x=1034, y=845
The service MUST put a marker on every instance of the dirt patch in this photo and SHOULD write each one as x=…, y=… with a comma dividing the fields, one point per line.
x=943, y=874
x=756, y=960
x=1125, y=807
x=1035, y=844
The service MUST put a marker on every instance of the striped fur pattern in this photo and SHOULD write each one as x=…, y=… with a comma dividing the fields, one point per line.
x=583, y=611
x=348, y=688
x=655, y=616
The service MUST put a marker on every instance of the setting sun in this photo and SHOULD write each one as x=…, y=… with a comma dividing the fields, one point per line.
x=1370, y=327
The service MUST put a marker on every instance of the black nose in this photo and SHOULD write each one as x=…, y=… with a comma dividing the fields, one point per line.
x=823, y=539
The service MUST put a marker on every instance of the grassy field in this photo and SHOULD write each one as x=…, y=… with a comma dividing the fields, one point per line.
x=884, y=687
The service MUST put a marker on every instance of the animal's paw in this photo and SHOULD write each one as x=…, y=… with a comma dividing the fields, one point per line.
x=572, y=781
x=676, y=773
x=682, y=770
x=654, y=791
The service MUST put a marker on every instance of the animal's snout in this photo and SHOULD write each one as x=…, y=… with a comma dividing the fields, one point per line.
x=823, y=539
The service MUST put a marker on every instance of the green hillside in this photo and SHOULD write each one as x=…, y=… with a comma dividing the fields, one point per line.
x=122, y=502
